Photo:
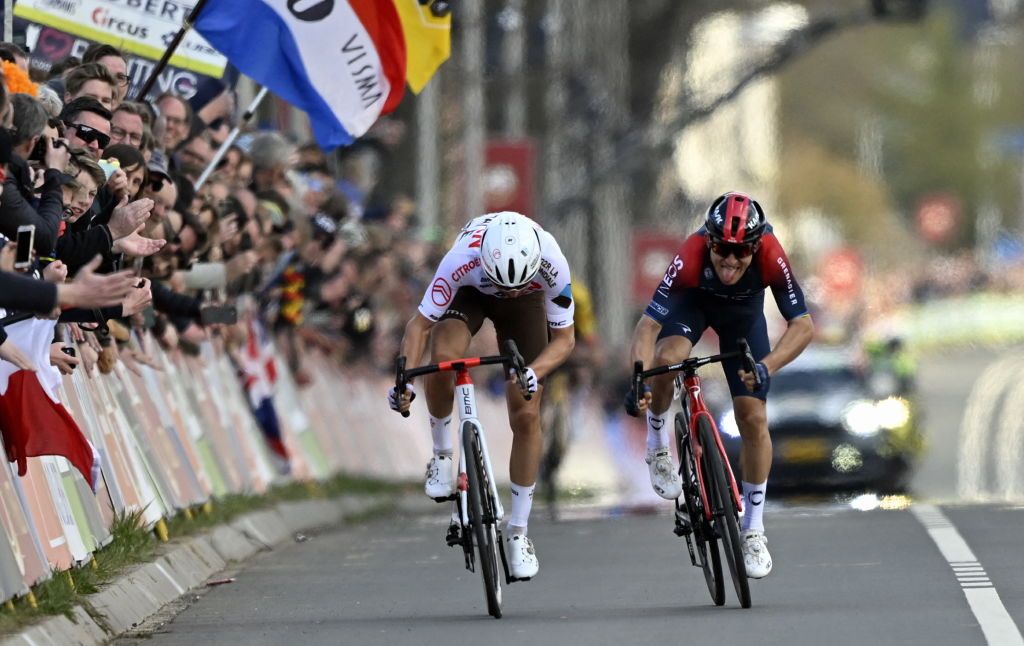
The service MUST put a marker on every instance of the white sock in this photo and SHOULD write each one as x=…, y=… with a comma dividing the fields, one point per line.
x=440, y=431
x=753, y=505
x=657, y=431
x=522, y=502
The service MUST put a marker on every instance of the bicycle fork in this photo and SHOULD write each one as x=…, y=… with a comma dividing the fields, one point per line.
x=465, y=396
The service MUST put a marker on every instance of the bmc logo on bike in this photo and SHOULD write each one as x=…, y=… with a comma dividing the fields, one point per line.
x=467, y=403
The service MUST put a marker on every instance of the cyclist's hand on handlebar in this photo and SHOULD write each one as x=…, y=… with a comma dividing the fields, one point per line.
x=750, y=382
x=634, y=407
x=531, y=380
x=401, y=404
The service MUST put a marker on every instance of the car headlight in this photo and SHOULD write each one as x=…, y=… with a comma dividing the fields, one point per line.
x=861, y=418
x=892, y=413
x=728, y=425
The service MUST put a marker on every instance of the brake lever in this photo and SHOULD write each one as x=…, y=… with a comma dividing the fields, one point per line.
x=749, y=362
x=519, y=365
x=400, y=382
x=638, y=380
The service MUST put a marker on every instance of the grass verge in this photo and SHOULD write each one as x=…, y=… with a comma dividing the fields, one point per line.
x=132, y=543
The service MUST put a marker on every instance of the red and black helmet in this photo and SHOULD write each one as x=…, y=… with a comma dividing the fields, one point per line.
x=735, y=218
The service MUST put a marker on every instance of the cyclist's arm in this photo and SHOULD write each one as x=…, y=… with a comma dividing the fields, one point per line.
x=417, y=330
x=561, y=341
x=644, y=335
x=797, y=336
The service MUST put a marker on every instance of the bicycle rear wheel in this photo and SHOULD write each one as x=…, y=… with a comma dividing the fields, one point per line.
x=481, y=517
x=703, y=536
x=726, y=515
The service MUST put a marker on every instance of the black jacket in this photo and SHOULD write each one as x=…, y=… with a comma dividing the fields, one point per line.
x=20, y=205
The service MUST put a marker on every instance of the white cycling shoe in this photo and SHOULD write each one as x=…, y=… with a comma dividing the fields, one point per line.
x=522, y=558
x=755, y=554
x=664, y=477
x=440, y=482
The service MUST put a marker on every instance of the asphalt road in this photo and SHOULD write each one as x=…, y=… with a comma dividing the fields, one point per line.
x=614, y=576
x=841, y=577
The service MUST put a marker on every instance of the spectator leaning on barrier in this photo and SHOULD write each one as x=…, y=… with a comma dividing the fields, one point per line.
x=92, y=80
x=175, y=118
x=127, y=124
x=111, y=58
x=21, y=202
x=88, y=124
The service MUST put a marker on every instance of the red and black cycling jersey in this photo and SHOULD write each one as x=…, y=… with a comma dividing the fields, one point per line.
x=691, y=269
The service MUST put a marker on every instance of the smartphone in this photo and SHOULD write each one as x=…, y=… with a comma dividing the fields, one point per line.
x=109, y=166
x=223, y=314
x=26, y=240
x=68, y=350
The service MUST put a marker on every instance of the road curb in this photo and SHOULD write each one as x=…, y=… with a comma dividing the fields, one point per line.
x=126, y=602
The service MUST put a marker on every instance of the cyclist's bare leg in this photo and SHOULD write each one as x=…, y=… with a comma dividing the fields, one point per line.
x=524, y=418
x=756, y=449
x=448, y=340
x=671, y=349
x=755, y=459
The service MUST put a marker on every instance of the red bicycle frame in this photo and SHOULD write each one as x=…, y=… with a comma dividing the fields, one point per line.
x=697, y=408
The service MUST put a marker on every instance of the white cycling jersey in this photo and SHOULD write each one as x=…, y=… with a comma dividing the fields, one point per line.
x=461, y=267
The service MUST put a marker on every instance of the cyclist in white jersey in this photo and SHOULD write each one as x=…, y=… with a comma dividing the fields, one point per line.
x=505, y=268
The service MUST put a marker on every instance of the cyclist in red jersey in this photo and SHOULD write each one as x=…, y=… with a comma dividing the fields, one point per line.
x=717, y=280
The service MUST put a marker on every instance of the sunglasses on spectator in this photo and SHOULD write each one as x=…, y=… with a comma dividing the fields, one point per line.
x=89, y=134
x=739, y=251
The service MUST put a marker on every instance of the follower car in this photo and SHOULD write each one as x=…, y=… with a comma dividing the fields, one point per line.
x=835, y=426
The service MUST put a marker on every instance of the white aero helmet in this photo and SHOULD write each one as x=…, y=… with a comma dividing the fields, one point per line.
x=510, y=250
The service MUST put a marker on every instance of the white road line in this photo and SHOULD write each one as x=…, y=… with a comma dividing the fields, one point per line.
x=978, y=420
x=1010, y=439
x=982, y=596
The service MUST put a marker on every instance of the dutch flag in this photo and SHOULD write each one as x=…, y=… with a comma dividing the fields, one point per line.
x=341, y=61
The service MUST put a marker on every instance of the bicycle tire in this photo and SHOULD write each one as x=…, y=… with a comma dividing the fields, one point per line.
x=481, y=518
x=726, y=515
x=703, y=535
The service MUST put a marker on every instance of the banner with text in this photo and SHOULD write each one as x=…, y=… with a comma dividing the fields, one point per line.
x=141, y=27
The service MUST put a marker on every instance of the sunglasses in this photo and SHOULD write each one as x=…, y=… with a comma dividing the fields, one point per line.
x=739, y=251
x=89, y=134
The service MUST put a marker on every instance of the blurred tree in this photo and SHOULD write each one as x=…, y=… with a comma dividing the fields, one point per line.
x=940, y=107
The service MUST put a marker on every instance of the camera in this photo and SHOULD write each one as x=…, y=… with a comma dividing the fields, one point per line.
x=38, y=153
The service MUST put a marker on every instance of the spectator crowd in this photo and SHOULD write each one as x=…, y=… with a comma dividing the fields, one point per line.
x=133, y=242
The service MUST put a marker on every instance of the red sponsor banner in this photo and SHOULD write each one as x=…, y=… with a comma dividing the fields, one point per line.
x=508, y=176
x=652, y=253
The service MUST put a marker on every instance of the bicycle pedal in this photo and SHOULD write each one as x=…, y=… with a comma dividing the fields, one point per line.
x=448, y=498
x=454, y=536
x=682, y=530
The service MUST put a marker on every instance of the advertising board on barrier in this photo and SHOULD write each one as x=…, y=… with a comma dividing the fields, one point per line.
x=142, y=27
x=48, y=45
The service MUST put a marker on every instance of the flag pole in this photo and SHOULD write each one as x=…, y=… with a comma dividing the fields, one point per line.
x=251, y=110
x=162, y=63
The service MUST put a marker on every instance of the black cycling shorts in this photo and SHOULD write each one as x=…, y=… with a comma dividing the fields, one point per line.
x=521, y=319
x=692, y=312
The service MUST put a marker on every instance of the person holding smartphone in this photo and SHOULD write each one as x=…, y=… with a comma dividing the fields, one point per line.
x=20, y=191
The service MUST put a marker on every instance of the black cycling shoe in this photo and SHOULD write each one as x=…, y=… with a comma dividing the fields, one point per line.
x=454, y=535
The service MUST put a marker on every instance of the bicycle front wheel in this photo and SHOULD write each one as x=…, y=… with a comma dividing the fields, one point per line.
x=703, y=536
x=725, y=513
x=481, y=517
